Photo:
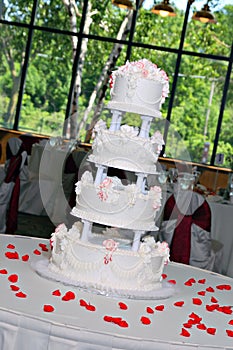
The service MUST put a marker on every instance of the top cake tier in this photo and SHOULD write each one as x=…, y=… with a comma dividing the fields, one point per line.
x=139, y=87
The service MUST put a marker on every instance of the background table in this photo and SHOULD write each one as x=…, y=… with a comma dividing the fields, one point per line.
x=36, y=313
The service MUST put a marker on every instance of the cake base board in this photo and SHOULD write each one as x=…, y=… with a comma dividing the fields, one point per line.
x=165, y=291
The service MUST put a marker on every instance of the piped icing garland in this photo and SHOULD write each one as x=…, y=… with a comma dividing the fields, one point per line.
x=142, y=69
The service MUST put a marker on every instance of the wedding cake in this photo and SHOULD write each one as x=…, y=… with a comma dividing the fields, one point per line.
x=108, y=249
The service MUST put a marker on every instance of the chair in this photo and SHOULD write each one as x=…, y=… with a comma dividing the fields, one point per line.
x=186, y=227
x=10, y=186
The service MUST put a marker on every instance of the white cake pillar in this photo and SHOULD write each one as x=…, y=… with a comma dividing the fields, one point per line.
x=136, y=240
x=86, y=233
x=145, y=126
x=101, y=173
x=116, y=120
x=141, y=181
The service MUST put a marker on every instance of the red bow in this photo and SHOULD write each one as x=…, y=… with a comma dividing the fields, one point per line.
x=181, y=241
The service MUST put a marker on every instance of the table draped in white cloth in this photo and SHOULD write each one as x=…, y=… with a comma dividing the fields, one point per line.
x=38, y=313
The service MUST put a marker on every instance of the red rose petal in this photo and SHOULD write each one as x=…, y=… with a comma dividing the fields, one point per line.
x=13, y=278
x=224, y=287
x=210, y=289
x=68, y=296
x=187, y=325
x=123, y=324
x=14, y=288
x=214, y=300
x=185, y=333
x=56, y=293
x=82, y=303
x=37, y=252
x=12, y=255
x=21, y=295
x=212, y=307
x=11, y=246
x=202, y=292
x=197, y=301
x=164, y=275
x=3, y=272
x=201, y=326
x=172, y=281
x=211, y=331
x=149, y=310
x=43, y=247
x=48, y=308
x=202, y=281
x=188, y=283
x=179, y=303
x=25, y=257
x=108, y=318
x=90, y=307
x=230, y=322
x=229, y=332
x=195, y=317
x=122, y=306
x=145, y=320
x=225, y=309
x=159, y=307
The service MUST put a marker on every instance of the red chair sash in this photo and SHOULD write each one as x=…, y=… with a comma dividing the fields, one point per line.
x=181, y=242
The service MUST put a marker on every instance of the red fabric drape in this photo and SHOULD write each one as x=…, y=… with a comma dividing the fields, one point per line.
x=181, y=242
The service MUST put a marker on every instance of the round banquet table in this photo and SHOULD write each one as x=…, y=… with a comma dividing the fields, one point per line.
x=37, y=313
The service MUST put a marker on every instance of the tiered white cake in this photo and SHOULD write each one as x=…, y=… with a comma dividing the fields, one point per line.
x=118, y=259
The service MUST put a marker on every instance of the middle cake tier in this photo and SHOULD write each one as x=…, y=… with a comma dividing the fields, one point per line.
x=113, y=204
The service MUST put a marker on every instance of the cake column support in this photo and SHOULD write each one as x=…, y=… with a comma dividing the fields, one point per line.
x=136, y=240
x=101, y=174
x=141, y=181
x=86, y=233
x=145, y=126
x=116, y=120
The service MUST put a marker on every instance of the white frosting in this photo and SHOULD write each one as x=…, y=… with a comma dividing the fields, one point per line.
x=124, y=149
x=114, y=204
x=139, y=87
x=86, y=262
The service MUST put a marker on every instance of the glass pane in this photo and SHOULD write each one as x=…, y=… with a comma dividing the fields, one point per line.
x=47, y=84
x=54, y=14
x=196, y=106
x=225, y=145
x=110, y=21
x=16, y=11
x=12, y=52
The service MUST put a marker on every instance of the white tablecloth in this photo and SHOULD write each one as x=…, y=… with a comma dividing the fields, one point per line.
x=222, y=230
x=34, y=314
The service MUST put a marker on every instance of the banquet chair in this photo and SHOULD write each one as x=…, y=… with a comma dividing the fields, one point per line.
x=186, y=227
x=10, y=188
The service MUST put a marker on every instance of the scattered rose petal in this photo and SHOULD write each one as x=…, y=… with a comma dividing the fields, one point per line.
x=229, y=332
x=14, y=288
x=108, y=318
x=172, y=281
x=225, y=309
x=187, y=325
x=230, y=322
x=37, y=252
x=56, y=293
x=43, y=246
x=21, y=295
x=224, y=287
x=3, y=272
x=159, y=307
x=123, y=324
x=145, y=320
x=210, y=289
x=201, y=326
x=82, y=303
x=11, y=246
x=212, y=307
x=202, y=292
x=122, y=306
x=149, y=310
x=13, y=278
x=12, y=255
x=179, y=303
x=90, y=307
x=211, y=331
x=25, y=257
x=195, y=317
x=214, y=300
x=48, y=308
x=164, y=276
x=202, y=281
x=68, y=296
x=185, y=333
x=197, y=301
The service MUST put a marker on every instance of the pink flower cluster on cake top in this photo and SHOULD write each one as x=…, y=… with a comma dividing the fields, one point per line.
x=142, y=69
